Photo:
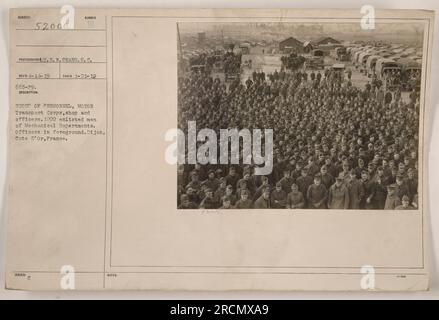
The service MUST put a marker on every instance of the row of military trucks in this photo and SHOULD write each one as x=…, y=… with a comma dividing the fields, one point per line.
x=398, y=66
x=402, y=63
x=315, y=59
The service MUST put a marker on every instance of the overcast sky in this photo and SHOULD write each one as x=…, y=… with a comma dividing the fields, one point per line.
x=307, y=31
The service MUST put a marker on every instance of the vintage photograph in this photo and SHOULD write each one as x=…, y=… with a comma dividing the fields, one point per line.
x=343, y=105
x=231, y=150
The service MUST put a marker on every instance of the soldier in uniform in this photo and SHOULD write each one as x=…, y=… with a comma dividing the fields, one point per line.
x=229, y=193
x=195, y=182
x=244, y=202
x=221, y=191
x=186, y=203
x=286, y=180
x=278, y=197
x=211, y=182
x=369, y=191
x=317, y=194
x=405, y=204
x=412, y=183
x=402, y=188
x=380, y=195
x=303, y=182
x=232, y=178
x=246, y=182
x=338, y=196
x=355, y=189
x=327, y=178
x=392, y=200
x=263, y=202
x=227, y=203
x=209, y=201
x=295, y=199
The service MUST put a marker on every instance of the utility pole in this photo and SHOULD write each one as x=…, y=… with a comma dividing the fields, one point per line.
x=180, y=52
x=179, y=41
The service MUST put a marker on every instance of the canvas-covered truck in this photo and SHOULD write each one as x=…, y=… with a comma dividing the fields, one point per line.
x=370, y=64
x=389, y=72
x=384, y=65
x=340, y=54
x=362, y=59
x=353, y=53
x=315, y=60
x=356, y=55
x=411, y=74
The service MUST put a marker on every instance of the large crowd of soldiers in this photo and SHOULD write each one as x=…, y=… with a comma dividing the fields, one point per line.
x=336, y=146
